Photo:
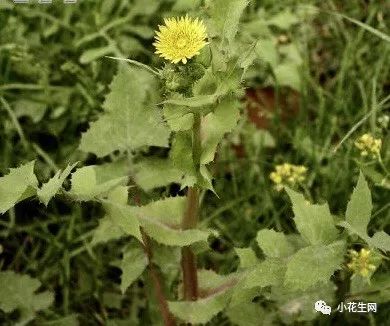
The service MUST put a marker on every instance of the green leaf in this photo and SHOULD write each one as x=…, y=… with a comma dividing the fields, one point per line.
x=380, y=240
x=247, y=257
x=359, y=207
x=86, y=185
x=108, y=230
x=161, y=220
x=217, y=290
x=124, y=217
x=288, y=74
x=267, y=272
x=314, y=264
x=216, y=124
x=131, y=118
x=225, y=17
x=177, y=117
x=133, y=264
x=151, y=173
x=19, y=184
x=266, y=51
x=274, y=244
x=51, y=188
x=314, y=222
x=198, y=101
x=246, y=314
x=297, y=306
x=18, y=291
x=182, y=159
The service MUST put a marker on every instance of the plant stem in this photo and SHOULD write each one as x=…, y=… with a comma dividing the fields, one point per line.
x=156, y=279
x=190, y=220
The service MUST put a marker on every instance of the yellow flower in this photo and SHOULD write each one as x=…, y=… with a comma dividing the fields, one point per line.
x=180, y=39
x=287, y=174
x=368, y=145
x=362, y=262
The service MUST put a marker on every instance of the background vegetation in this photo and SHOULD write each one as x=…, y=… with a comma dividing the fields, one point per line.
x=316, y=75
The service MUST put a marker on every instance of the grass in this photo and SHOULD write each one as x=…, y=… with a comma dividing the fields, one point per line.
x=345, y=75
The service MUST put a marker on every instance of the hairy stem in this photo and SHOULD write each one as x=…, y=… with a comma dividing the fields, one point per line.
x=190, y=220
x=156, y=279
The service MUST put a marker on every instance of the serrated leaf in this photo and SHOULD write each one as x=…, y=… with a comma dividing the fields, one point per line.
x=216, y=124
x=267, y=272
x=314, y=264
x=170, y=236
x=18, y=184
x=380, y=240
x=161, y=220
x=168, y=210
x=106, y=231
x=18, y=291
x=225, y=17
x=133, y=264
x=151, y=173
x=274, y=244
x=51, y=188
x=314, y=222
x=124, y=217
x=86, y=185
x=131, y=118
x=359, y=208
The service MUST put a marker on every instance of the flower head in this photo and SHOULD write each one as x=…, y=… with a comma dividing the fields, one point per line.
x=180, y=39
x=368, y=145
x=287, y=174
x=362, y=262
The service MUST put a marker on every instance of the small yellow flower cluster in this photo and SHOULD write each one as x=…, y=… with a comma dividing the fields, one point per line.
x=180, y=39
x=368, y=145
x=361, y=262
x=288, y=175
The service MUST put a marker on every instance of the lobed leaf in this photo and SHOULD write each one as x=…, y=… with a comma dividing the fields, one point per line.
x=49, y=189
x=131, y=118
